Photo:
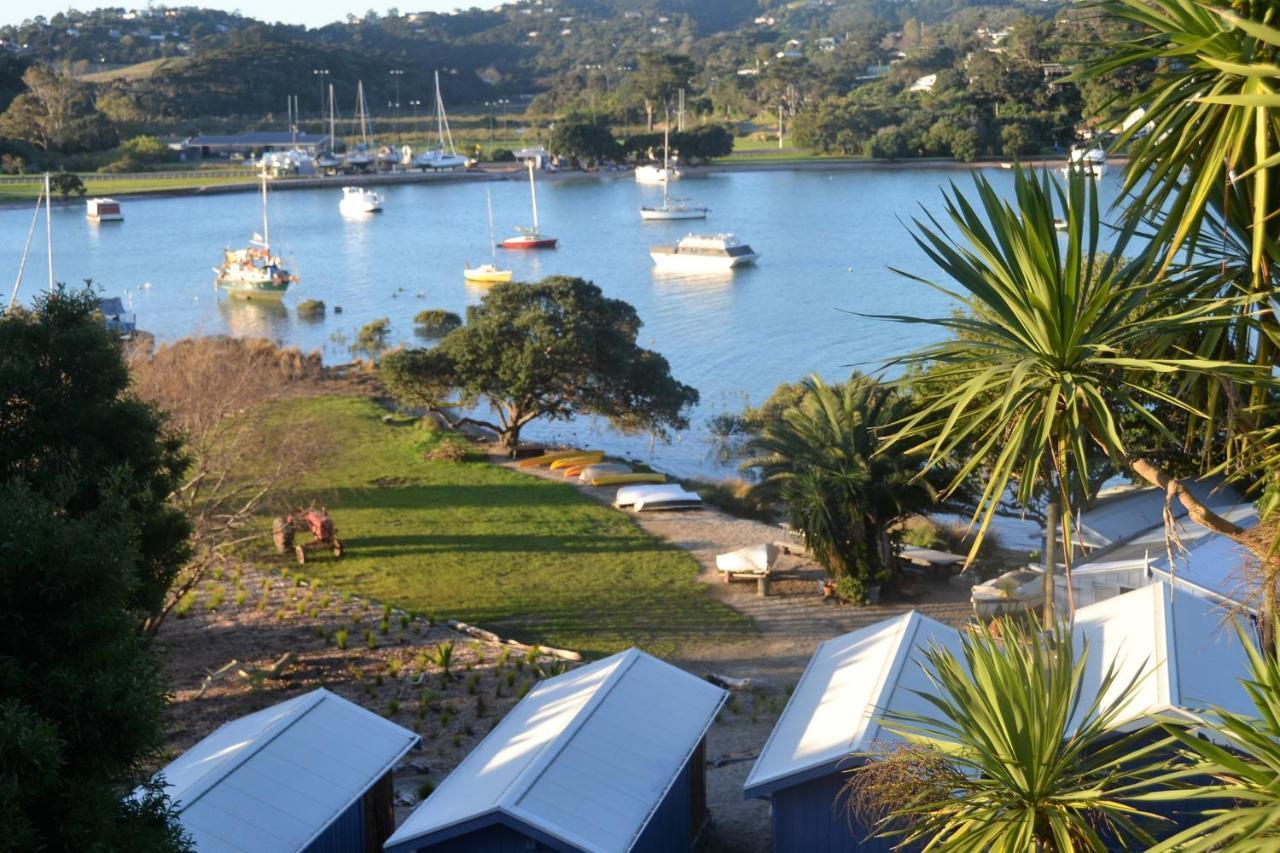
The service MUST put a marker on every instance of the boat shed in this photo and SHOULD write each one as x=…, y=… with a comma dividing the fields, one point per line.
x=1190, y=655
x=251, y=144
x=606, y=758
x=310, y=774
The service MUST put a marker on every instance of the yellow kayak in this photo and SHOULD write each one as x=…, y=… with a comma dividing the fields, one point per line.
x=581, y=459
x=573, y=470
x=546, y=458
x=620, y=479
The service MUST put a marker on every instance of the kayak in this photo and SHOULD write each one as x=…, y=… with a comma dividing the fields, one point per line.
x=572, y=470
x=619, y=479
x=580, y=459
x=546, y=458
x=602, y=469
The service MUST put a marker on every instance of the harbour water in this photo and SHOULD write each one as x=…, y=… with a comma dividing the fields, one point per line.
x=827, y=240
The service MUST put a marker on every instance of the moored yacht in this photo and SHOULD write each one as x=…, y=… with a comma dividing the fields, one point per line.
x=700, y=253
x=103, y=210
x=443, y=156
x=356, y=200
x=1090, y=161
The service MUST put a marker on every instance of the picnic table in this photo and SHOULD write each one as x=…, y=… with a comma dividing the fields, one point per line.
x=937, y=563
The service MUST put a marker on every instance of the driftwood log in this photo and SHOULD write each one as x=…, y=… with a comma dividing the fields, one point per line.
x=728, y=682
x=216, y=675
x=490, y=637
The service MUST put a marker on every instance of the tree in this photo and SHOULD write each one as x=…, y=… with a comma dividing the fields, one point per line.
x=658, y=76
x=584, y=142
x=66, y=184
x=56, y=112
x=1018, y=752
x=90, y=546
x=815, y=452
x=553, y=349
x=1057, y=342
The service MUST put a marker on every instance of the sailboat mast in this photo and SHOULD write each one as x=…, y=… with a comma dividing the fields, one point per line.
x=439, y=113
x=26, y=249
x=266, y=233
x=493, y=241
x=364, y=119
x=533, y=193
x=666, y=153
x=48, y=226
x=333, y=139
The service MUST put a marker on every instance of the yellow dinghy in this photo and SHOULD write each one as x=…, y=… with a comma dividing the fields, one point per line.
x=581, y=459
x=548, y=458
x=621, y=479
x=573, y=470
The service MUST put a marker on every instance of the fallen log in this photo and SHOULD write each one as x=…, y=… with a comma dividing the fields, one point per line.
x=216, y=675
x=728, y=682
x=490, y=637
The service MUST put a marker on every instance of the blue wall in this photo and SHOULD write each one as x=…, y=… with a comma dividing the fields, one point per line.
x=811, y=818
x=344, y=835
x=671, y=826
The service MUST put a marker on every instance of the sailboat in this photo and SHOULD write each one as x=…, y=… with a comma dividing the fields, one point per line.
x=253, y=272
x=530, y=238
x=437, y=158
x=653, y=174
x=360, y=158
x=330, y=161
x=488, y=273
x=680, y=209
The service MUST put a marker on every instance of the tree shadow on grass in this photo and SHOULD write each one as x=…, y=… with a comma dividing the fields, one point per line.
x=385, y=547
x=446, y=495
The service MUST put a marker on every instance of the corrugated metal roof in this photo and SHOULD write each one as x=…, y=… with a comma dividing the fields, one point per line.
x=274, y=780
x=1117, y=520
x=585, y=757
x=1187, y=656
x=832, y=712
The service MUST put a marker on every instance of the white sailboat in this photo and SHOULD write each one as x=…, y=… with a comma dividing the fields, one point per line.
x=253, y=272
x=439, y=158
x=46, y=198
x=361, y=157
x=488, y=273
x=680, y=209
x=530, y=238
x=329, y=161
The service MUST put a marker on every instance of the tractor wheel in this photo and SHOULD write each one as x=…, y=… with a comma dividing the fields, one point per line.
x=301, y=553
x=337, y=547
x=282, y=533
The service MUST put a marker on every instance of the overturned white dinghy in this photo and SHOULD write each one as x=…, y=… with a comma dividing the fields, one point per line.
x=751, y=560
x=656, y=497
x=603, y=469
x=1011, y=592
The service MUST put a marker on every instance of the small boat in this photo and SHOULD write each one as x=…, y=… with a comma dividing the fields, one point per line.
x=530, y=238
x=103, y=210
x=667, y=496
x=634, y=477
x=253, y=272
x=1091, y=162
x=360, y=157
x=488, y=273
x=703, y=253
x=652, y=173
x=751, y=560
x=1059, y=224
x=328, y=161
x=669, y=211
x=358, y=200
x=580, y=459
x=439, y=158
x=1011, y=592
x=548, y=458
x=602, y=469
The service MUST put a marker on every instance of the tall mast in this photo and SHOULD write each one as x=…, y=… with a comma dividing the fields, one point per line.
x=533, y=192
x=666, y=151
x=266, y=233
x=364, y=121
x=439, y=113
x=333, y=140
x=26, y=249
x=493, y=242
x=48, y=226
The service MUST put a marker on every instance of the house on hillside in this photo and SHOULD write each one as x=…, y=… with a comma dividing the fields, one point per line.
x=607, y=757
x=923, y=84
x=309, y=775
x=1173, y=641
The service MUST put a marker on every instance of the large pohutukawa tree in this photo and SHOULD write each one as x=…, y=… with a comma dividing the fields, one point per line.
x=1059, y=338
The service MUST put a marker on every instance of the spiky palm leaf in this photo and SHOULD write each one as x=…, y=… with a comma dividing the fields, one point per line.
x=1029, y=753
x=1058, y=337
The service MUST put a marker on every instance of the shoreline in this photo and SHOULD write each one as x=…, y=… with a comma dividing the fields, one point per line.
x=495, y=172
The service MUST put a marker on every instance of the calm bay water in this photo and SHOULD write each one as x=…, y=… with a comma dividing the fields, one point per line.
x=826, y=237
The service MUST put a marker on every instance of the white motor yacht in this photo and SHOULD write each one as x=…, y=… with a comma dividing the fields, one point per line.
x=656, y=174
x=703, y=253
x=358, y=200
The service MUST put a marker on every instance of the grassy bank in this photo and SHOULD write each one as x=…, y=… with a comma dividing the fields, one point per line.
x=469, y=540
x=124, y=186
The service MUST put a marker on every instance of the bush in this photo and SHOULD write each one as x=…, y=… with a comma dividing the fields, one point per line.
x=341, y=637
x=435, y=322
x=448, y=451
x=372, y=338
x=889, y=144
x=502, y=155
x=310, y=309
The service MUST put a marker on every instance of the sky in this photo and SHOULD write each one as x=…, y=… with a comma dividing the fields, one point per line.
x=313, y=13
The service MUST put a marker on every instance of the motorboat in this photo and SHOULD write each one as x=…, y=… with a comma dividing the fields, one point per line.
x=530, y=237
x=253, y=272
x=1011, y=592
x=703, y=253
x=663, y=496
x=103, y=210
x=443, y=156
x=652, y=173
x=1086, y=161
x=488, y=273
x=359, y=200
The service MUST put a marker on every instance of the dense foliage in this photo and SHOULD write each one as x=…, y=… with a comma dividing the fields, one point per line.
x=90, y=547
x=553, y=349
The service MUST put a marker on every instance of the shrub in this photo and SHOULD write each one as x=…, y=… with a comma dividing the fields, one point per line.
x=442, y=656
x=370, y=640
x=425, y=789
x=372, y=338
x=340, y=637
x=184, y=605
x=393, y=708
x=242, y=595
x=502, y=155
x=448, y=451
x=216, y=596
x=435, y=322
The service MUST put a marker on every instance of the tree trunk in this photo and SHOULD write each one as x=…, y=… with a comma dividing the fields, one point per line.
x=1197, y=511
x=648, y=114
x=509, y=440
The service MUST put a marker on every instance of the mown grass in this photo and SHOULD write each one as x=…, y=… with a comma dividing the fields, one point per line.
x=125, y=186
x=522, y=556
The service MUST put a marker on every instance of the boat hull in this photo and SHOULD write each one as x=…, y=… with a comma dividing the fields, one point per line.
x=529, y=243
x=656, y=175
x=251, y=290
x=657, y=214
x=359, y=208
x=582, y=459
x=683, y=262
x=548, y=458
x=623, y=479
x=487, y=276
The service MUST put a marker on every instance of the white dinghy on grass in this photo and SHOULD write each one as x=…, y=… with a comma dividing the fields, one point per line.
x=656, y=497
x=603, y=469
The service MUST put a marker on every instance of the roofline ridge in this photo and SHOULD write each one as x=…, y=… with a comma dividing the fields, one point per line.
x=272, y=731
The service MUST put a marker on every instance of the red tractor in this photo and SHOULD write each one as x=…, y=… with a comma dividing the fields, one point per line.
x=317, y=522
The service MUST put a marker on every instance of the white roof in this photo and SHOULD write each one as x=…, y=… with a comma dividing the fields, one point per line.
x=274, y=780
x=1187, y=653
x=584, y=758
x=832, y=712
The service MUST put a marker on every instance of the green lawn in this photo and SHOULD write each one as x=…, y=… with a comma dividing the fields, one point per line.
x=124, y=186
x=525, y=557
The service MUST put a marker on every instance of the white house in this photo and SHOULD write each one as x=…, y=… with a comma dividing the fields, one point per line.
x=923, y=84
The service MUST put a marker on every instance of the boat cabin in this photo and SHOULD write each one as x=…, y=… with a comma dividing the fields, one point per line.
x=103, y=210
